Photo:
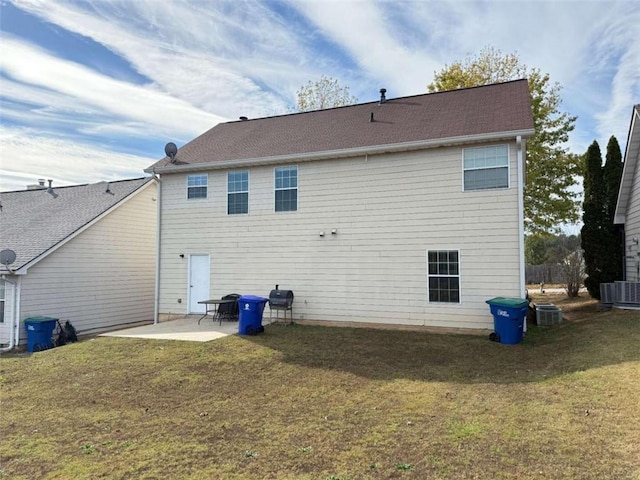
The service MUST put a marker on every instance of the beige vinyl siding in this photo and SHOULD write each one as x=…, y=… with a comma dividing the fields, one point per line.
x=632, y=229
x=388, y=210
x=104, y=277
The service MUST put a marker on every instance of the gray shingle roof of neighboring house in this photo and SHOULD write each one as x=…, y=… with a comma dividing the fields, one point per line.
x=32, y=222
x=443, y=116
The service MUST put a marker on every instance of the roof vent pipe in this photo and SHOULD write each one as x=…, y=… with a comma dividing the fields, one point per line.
x=41, y=182
x=244, y=118
x=383, y=99
x=50, y=190
x=371, y=118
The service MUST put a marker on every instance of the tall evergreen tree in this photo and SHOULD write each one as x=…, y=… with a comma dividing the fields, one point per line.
x=595, y=231
x=612, y=174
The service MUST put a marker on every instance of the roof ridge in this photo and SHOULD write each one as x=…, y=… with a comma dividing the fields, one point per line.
x=373, y=102
x=59, y=187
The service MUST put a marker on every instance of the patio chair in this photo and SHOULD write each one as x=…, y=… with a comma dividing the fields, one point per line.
x=229, y=311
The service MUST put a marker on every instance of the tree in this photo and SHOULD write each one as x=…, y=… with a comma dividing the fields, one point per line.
x=535, y=249
x=573, y=272
x=551, y=169
x=612, y=174
x=544, y=248
x=323, y=93
x=595, y=231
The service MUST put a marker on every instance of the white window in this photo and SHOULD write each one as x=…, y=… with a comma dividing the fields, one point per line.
x=237, y=193
x=197, y=186
x=443, y=273
x=286, y=189
x=486, y=167
x=2, y=292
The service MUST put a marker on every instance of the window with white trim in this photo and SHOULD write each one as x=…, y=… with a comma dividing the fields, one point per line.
x=443, y=272
x=197, y=186
x=237, y=193
x=2, y=290
x=286, y=183
x=486, y=167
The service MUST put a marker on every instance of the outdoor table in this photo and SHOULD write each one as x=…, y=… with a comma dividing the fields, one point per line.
x=212, y=307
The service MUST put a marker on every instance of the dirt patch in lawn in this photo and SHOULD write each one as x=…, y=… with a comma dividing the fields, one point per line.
x=306, y=402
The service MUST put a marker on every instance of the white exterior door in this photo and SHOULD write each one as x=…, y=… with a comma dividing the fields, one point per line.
x=198, y=282
x=6, y=311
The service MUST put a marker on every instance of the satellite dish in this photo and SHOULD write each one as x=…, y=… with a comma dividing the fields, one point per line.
x=170, y=149
x=7, y=257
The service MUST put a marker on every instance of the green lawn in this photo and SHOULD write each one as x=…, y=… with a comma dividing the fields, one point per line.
x=304, y=402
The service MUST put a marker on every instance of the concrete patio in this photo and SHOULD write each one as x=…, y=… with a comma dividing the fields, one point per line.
x=184, y=328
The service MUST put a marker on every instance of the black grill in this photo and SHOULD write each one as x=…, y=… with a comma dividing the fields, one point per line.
x=281, y=300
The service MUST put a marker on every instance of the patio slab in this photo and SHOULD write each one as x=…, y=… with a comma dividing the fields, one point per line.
x=186, y=329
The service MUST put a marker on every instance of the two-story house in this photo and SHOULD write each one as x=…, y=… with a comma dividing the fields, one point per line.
x=404, y=211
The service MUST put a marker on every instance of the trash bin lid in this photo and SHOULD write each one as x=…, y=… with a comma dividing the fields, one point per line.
x=510, y=302
x=253, y=299
x=40, y=319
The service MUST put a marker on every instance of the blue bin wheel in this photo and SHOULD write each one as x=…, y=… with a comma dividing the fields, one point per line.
x=494, y=337
x=261, y=329
x=251, y=330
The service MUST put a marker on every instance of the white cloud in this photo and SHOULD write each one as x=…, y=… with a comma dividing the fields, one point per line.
x=620, y=46
x=28, y=156
x=98, y=93
x=362, y=29
x=201, y=53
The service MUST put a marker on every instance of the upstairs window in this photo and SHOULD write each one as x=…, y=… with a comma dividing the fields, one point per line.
x=197, y=186
x=486, y=167
x=443, y=272
x=237, y=193
x=286, y=189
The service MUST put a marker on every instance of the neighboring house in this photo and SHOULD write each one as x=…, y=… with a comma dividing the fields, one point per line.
x=406, y=211
x=84, y=253
x=628, y=207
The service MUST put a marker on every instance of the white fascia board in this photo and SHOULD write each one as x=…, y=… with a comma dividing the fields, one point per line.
x=23, y=270
x=342, y=153
x=632, y=152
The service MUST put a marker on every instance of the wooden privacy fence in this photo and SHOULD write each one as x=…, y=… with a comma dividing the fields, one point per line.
x=544, y=274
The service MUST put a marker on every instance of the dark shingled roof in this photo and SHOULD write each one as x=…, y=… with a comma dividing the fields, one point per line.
x=34, y=221
x=489, y=109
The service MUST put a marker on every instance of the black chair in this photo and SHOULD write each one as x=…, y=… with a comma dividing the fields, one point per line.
x=229, y=311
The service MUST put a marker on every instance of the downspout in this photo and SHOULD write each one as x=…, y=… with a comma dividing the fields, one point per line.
x=521, y=165
x=156, y=306
x=14, y=320
x=623, y=239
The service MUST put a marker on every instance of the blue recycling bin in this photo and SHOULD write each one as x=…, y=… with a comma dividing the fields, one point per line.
x=39, y=333
x=250, y=308
x=509, y=315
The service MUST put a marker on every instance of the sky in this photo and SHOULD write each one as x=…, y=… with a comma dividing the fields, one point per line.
x=92, y=90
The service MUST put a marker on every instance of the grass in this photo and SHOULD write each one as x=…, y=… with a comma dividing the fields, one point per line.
x=304, y=402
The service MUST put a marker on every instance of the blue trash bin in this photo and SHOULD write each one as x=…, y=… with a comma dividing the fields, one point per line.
x=250, y=309
x=508, y=319
x=39, y=333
